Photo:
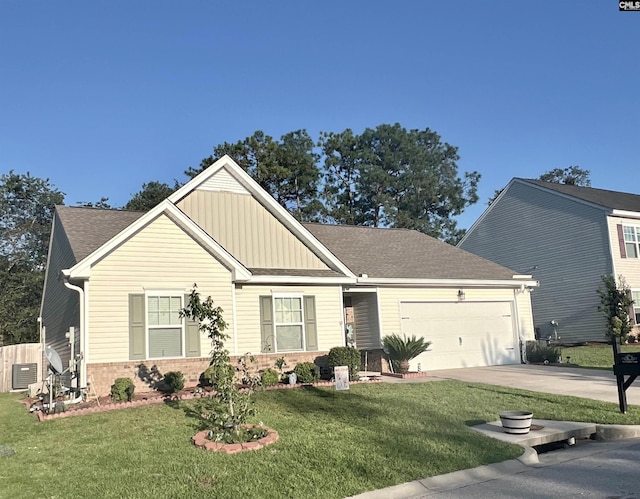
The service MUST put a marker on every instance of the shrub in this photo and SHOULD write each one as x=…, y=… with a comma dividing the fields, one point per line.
x=270, y=377
x=174, y=381
x=215, y=373
x=122, y=390
x=537, y=353
x=345, y=356
x=402, y=349
x=307, y=372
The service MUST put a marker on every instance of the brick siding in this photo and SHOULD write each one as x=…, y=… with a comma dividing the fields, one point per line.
x=101, y=376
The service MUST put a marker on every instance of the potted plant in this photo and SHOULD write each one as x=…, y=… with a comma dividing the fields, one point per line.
x=401, y=350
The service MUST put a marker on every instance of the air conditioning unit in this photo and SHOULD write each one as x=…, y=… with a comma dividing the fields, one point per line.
x=24, y=375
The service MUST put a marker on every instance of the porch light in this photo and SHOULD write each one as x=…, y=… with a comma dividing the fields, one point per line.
x=461, y=295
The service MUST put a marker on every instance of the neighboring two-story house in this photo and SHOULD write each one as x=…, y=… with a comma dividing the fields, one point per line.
x=567, y=237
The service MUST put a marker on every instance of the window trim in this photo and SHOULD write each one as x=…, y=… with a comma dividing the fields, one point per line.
x=281, y=295
x=635, y=306
x=148, y=293
x=636, y=243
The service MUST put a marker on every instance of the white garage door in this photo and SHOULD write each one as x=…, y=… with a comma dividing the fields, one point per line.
x=462, y=334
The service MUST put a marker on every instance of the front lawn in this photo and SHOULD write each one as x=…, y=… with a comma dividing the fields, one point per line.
x=332, y=444
x=594, y=356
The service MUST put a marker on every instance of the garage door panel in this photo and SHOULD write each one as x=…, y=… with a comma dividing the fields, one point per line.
x=462, y=334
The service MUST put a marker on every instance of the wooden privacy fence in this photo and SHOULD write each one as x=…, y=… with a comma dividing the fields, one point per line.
x=24, y=353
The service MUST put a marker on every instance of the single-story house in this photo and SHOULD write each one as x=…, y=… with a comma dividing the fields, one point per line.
x=567, y=237
x=287, y=289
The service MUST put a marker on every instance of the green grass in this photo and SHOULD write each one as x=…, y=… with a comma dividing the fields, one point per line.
x=332, y=444
x=594, y=356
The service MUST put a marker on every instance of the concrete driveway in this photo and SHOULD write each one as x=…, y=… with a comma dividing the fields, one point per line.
x=587, y=383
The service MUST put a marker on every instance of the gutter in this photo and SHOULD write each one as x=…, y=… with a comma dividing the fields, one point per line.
x=82, y=381
x=467, y=283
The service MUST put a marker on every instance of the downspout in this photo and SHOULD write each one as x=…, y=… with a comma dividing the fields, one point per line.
x=82, y=381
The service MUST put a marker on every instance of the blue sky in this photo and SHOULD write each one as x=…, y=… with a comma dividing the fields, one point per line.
x=101, y=97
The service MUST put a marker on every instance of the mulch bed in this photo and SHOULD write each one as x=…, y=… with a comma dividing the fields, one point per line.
x=91, y=405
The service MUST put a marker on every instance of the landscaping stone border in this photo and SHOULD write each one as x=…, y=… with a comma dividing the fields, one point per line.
x=201, y=439
x=421, y=374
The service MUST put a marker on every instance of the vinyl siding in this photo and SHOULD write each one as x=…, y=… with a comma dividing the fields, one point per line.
x=627, y=267
x=60, y=305
x=365, y=313
x=329, y=316
x=248, y=231
x=568, y=241
x=160, y=256
x=390, y=299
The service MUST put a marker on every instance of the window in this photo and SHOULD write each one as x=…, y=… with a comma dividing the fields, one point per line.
x=635, y=295
x=632, y=241
x=288, y=324
x=165, y=327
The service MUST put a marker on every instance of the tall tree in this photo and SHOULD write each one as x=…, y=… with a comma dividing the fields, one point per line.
x=393, y=177
x=152, y=194
x=26, y=212
x=572, y=175
x=342, y=163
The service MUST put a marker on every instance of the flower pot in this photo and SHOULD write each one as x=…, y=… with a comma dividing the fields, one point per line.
x=516, y=422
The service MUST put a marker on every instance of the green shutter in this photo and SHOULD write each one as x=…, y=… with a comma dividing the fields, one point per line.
x=267, y=337
x=137, y=333
x=310, y=329
x=192, y=335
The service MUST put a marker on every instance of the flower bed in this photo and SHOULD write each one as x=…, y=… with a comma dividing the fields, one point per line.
x=201, y=439
x=90, y=406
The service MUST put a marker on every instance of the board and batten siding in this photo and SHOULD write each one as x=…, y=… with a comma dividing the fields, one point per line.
x=629, y=268
x=160, y=256
x=248, y=231
x=329, y=314
x=60, y=305
x=365, y=315
x=563, y=243
x=391, y=298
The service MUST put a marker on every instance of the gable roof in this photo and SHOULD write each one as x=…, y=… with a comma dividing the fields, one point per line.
x=81, y=269
x=89, y=228
x=403, y=254
x=608, y=199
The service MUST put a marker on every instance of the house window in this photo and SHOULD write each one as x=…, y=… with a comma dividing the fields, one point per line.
x=632, y=241
x=164, y=326
x=635, y=295
x=289, y=324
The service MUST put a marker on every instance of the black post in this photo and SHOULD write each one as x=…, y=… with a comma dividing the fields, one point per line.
x=622, y=394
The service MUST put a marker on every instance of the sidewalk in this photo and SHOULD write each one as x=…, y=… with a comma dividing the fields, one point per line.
x=594, y=469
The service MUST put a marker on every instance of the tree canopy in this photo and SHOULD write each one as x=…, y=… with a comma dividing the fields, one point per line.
x=393, y=177
x=387, y=176
x=152, y=194
x=287, y=169
x=26, y=213
x=572, y=175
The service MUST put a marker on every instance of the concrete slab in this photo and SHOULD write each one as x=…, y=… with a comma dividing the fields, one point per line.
x=594, y=384
x=543, y=431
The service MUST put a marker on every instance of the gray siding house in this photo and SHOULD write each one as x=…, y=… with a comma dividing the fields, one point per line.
x=567, y=237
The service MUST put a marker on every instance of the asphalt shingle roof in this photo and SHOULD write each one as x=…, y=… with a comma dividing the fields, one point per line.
x=89, y=228
x=382, y=253
x=609, y=199
x=403, y=253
